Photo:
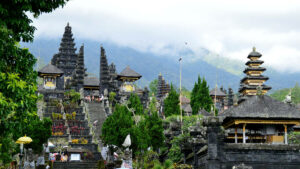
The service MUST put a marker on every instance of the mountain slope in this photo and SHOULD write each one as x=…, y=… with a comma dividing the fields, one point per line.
x=147, y=64
x=214, y=68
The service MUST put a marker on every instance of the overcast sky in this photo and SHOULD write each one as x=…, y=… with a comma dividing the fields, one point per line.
x=229, y=28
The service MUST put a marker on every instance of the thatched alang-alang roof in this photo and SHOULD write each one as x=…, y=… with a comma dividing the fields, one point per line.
x=91, y=81
x=50, y=69
x=128, y=72
x=262, y=107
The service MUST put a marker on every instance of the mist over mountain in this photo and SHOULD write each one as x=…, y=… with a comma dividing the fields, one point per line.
x=214, y=68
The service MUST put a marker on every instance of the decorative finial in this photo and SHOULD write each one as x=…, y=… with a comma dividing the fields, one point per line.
x=254, y=49
x=159, y=73
x=68, y=24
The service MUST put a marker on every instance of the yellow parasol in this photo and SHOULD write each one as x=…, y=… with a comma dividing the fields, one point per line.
x=24, y=140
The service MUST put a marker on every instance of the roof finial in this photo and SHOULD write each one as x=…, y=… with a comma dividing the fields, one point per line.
x=68, y=24
x=159, y=73
x=254, y=49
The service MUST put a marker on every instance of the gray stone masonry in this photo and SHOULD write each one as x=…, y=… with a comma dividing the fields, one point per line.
x=96, y=113
x=220, y=155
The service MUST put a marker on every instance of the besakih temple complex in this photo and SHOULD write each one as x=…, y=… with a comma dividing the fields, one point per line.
x=254, y=77
x=77, y=124
x=252, y=134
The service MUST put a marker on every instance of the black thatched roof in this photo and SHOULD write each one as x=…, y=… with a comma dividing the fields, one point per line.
x=216, y=92
x=254, y=69
x=253, y=87
x=50, y=69
x=128, y=72
x=254, y=54
x=262, y=107
x=91, y=81
x=254, y=61
x=260, y=77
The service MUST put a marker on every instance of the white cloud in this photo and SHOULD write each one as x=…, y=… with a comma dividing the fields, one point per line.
x=230, y=28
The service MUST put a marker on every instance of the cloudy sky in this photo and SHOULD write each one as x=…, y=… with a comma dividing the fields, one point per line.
x=227, y=27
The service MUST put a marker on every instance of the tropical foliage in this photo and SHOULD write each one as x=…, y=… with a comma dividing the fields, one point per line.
x=200, y=98
x=281, y=94
x=171, y=103
x=18, y=80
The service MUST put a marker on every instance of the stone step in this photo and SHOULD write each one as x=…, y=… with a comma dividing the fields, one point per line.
x=96, y=112
x=75, y=165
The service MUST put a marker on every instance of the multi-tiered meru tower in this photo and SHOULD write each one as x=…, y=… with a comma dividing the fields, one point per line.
x=66, y=58
x=162, y=87
x=253, y=82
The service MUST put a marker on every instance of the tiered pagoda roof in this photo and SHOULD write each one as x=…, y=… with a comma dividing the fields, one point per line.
x=162, y=87
x=254, y=77
x=79, y=73
x=66, y=58
x=104, y=71
x=50, y=70
x=128, y=73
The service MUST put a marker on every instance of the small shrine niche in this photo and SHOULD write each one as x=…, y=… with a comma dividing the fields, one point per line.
x=128, y=77
x=50, y=75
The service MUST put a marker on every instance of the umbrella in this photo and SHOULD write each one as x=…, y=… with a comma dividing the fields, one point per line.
x=24, y=140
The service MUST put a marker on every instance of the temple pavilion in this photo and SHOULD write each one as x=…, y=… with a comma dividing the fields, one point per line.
x=254, y=77
x=51, y=75
x=259, y=118
x=218, y=97
x=128, y=77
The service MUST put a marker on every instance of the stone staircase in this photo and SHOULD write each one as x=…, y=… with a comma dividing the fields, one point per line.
x=96, y=112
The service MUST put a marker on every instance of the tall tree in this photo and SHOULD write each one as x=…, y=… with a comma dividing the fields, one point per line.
x=117, y=126
x=171, y=103
x=155, y=130
x=135, y=103
x=200, y=98
x=17, y=76
x=153, y=87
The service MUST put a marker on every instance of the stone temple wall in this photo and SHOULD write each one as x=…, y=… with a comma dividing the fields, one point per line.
x=220, y=155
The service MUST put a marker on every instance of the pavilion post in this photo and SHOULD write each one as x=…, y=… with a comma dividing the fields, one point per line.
x=244, y=133
x=285, y=134
x=235, y=135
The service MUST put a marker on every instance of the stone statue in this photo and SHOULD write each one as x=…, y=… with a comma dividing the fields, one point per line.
x=288, y=98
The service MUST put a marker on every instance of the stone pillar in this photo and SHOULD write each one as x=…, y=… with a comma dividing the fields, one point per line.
x=235, y=136
x=285, y=134
x=244, y=133
x=214, y=140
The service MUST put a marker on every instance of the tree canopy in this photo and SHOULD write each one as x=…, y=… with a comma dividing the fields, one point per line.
x=200, y=98
x=171, y=103
x=14, y=15
x=117, y=126
x=153, y=87
x=135, y=103
x=18, y=80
